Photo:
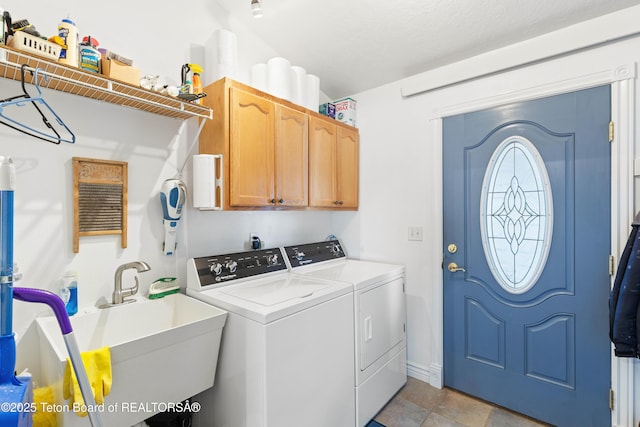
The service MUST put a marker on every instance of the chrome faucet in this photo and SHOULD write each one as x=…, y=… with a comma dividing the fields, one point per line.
x=120, y=294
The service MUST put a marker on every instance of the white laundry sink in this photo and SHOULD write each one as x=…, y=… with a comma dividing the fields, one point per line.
x=163, y=351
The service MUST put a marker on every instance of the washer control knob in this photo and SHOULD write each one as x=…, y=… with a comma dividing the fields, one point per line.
x=272, y=259
x=335, y=249
x=216, y=268
x=231, y=266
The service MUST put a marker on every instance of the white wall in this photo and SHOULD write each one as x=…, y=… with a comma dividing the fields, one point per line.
x=159, y=39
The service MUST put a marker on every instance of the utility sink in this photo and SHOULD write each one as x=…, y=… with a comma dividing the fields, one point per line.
x=163, y=351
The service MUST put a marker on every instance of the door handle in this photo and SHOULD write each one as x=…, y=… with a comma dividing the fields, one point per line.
x=453, y=267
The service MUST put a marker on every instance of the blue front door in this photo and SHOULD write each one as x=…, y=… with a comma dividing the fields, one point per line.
x=526, y=249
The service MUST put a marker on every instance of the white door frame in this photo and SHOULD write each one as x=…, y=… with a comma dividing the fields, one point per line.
x=623, y=207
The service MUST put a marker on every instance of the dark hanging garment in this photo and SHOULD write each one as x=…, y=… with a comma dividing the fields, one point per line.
x=624, y=300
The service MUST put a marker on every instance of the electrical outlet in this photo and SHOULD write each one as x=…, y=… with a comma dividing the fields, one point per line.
x=415, y=233
x=255, y=242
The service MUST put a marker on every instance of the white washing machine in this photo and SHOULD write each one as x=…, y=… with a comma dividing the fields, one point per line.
x=286, y=356
x=379, y=316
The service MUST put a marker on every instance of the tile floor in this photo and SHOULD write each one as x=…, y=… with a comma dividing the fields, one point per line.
x=418, y=404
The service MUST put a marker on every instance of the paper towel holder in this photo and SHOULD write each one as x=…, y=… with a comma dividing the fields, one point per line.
x=207, y=182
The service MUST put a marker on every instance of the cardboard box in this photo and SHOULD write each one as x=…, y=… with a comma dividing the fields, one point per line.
x=328, y=109
x=118, y=71
x=346, y=110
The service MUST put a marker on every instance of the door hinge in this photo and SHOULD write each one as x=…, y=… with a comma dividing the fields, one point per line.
x=611, y=399
x=611, y=132
x=612, y=265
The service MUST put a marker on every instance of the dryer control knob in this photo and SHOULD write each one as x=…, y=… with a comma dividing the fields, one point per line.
x=216, y=268
x=335, y=249
x=272, y=259
x=231, y=266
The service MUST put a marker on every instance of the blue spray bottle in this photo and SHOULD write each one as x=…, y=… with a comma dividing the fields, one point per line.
x=69, y=292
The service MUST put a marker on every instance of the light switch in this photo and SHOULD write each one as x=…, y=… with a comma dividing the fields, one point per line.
x=415, y=233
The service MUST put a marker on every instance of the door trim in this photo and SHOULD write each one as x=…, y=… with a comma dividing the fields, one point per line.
x=622, y=80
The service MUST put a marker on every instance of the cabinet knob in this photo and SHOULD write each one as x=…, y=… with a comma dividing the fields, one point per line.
x=340, y=202
x=272, y=201
x=335, y=202
x=281, y=201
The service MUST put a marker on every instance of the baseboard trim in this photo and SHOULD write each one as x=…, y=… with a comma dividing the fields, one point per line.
x=419, y=372
x=431, y=374
x=436, y=377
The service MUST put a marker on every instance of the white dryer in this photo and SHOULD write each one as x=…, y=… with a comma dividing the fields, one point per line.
x=286, y=357
x=379, y=316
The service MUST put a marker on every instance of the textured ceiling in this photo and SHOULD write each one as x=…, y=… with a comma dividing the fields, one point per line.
x=355, y=45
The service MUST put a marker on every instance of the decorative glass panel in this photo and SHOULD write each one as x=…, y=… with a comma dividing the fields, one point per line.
x=516, y=214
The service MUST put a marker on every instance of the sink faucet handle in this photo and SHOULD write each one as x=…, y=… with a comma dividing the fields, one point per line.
x=119, y=294
x=128, y=292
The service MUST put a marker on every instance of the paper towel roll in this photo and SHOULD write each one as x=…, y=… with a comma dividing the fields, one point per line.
x=298, y=85
x=279, y=77
x=259, y=77
x=312, y=98
x=221, y=56
x=205, y=182
x=228, y=47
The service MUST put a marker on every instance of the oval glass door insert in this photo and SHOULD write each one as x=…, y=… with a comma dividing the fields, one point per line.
x=516, y=214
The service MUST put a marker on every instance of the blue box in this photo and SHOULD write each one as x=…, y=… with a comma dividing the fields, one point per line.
x=328, y=109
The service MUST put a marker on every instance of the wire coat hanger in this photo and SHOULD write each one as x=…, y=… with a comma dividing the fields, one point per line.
x=37, y=102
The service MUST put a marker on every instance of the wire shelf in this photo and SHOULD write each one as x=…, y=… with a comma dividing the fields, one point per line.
x=96, y=86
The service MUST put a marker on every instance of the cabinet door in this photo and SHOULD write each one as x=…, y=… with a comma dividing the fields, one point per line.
x=291, y=157
x=251, y=150
x=322, y=163
x=347, y=167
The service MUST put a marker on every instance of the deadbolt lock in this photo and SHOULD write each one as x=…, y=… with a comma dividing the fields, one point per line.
x=452, y=248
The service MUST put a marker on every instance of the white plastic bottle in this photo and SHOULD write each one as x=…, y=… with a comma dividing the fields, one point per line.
x=69, y=32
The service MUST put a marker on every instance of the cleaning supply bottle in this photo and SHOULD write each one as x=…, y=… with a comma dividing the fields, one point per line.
x=3, y=25
x=90, y=55
x=196, y=82
x=69, y=292
x=186, y=87
x=69, y=32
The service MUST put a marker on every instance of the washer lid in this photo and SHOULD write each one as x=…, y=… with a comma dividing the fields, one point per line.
x=272, y=298
x=276, y=292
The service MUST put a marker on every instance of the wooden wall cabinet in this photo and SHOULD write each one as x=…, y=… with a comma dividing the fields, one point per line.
x=265, y=144
x=333, y=165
